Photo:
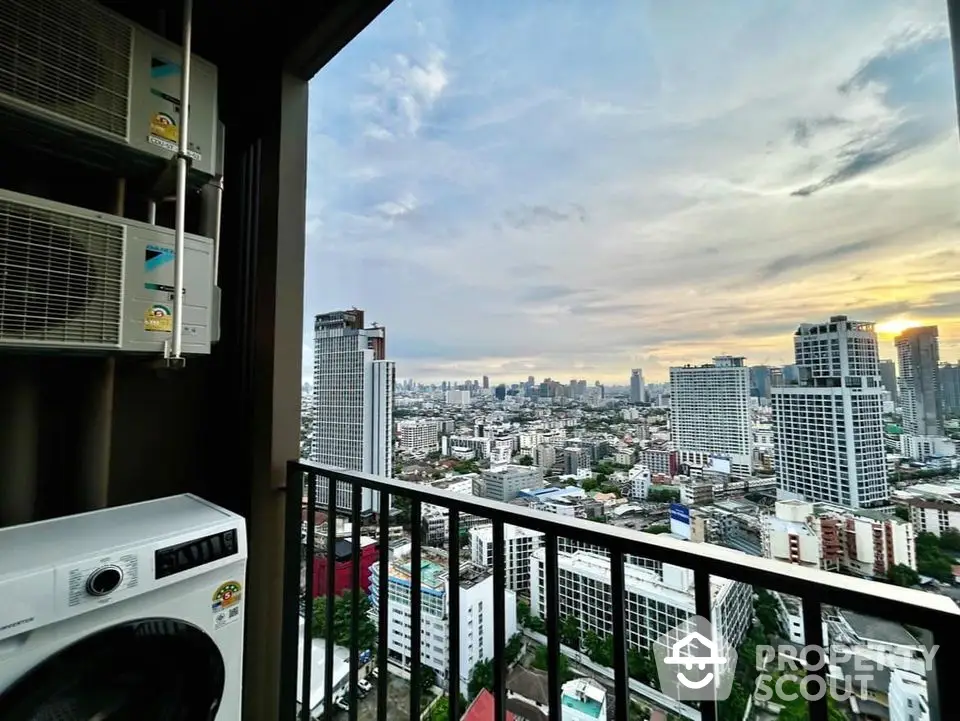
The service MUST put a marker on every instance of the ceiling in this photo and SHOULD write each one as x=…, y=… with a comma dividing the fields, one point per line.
x=303, y=36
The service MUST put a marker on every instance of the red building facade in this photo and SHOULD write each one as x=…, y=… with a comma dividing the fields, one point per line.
x=343, y=567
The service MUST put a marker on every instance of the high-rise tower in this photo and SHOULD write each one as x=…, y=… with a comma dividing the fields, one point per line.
x=710, y=413
x=918, y=355
x=828, y=418
x=353, y=387
x=637, y=394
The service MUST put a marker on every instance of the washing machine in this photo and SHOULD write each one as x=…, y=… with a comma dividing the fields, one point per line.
x=125, y=614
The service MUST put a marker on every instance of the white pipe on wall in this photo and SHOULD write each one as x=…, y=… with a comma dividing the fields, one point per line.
x=181, y=211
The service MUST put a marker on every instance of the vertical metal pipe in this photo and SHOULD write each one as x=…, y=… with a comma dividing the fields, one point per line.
x=218, y=184
x=453, y=616
x=499, y=624
x=552, y=608
x=356, y=501
x=305, y=696
x=703, y=607
x=181, y=212
x=383, y=609
x=416, y=597
x=815, y=662
x=152, y=212
x=293, y=553
x=621, y=673
x=331, y=596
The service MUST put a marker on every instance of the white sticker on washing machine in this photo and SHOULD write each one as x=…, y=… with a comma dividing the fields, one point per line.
x=227, y=602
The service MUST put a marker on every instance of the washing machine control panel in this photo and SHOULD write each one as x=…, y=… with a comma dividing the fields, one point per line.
x=197, y=552
x=98, y=580
x=104, y=580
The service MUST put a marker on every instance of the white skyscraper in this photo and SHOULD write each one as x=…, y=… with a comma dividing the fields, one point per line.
x=828, y=416
x=710, y=414
x=353, y=401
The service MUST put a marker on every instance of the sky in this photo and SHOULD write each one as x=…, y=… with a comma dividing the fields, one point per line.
x=577, y=191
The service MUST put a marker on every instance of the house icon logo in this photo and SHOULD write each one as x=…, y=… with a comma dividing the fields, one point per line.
x=694, y=663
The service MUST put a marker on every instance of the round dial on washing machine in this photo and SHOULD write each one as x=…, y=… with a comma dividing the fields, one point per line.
x=104, y=580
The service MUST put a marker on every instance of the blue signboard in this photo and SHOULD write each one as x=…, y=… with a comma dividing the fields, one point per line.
x=679, y=512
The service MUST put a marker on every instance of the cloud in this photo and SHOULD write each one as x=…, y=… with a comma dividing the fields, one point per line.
x=903, y=77
x=655, y=185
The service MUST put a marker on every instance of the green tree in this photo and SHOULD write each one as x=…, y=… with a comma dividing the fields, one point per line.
x=931, y=560
x=481, y=677
x=589, y=484
x=542, y=663
x=733, y=707
x=903, y=575
x=465, y=467
x=950, y=540
x=440, y=711
x=367, y=631
x=796, y=710
x=525, y=460
x=902, y=512
x=523, y=613
x=663, y=495
x=659, y=528
x=536, y=624
x=642, y=666
x=428, y=679
x=514, y=648
x=767, y=612
x=570, y=632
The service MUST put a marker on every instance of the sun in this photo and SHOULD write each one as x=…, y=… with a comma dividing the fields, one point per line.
x=895, y=326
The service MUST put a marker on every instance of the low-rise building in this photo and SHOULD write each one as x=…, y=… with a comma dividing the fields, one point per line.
x=504, y=483
x=418, y=435
x=655, y=602
x=476, y=612
x=834, y=538
x=519, y=545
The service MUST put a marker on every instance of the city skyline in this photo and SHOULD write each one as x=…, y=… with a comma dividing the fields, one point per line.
x=509, y=209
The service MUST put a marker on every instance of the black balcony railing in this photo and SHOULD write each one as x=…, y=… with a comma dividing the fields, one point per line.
x=938, y=615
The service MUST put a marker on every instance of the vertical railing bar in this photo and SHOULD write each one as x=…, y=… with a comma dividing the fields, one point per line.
x=944, y=641
x=703, y=603
x=552, y=608
x=383, y=609
x=499, y=623
x=332, y=488
x=293, y=555
x=815, y=661
x=453, y=615
x=355, y=502
x=305, y=696
x=621, y=674
x=416, y=594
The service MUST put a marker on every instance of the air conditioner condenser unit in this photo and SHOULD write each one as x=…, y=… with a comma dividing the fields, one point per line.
x=81, y=80
x=74, y=279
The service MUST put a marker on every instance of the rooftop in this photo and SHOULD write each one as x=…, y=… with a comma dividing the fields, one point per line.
x=584, y=696
x=483, y=708
x=877, y=629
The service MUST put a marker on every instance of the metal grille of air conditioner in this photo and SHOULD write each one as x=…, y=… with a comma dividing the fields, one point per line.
x=70, y=57
x=60, y=277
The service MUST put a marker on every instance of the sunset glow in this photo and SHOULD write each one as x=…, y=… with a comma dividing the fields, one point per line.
x=895, y=326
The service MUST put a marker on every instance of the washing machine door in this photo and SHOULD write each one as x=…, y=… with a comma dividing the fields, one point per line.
x=147, y=670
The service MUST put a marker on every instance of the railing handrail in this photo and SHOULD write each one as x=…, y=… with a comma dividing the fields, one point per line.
x=830, y=588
